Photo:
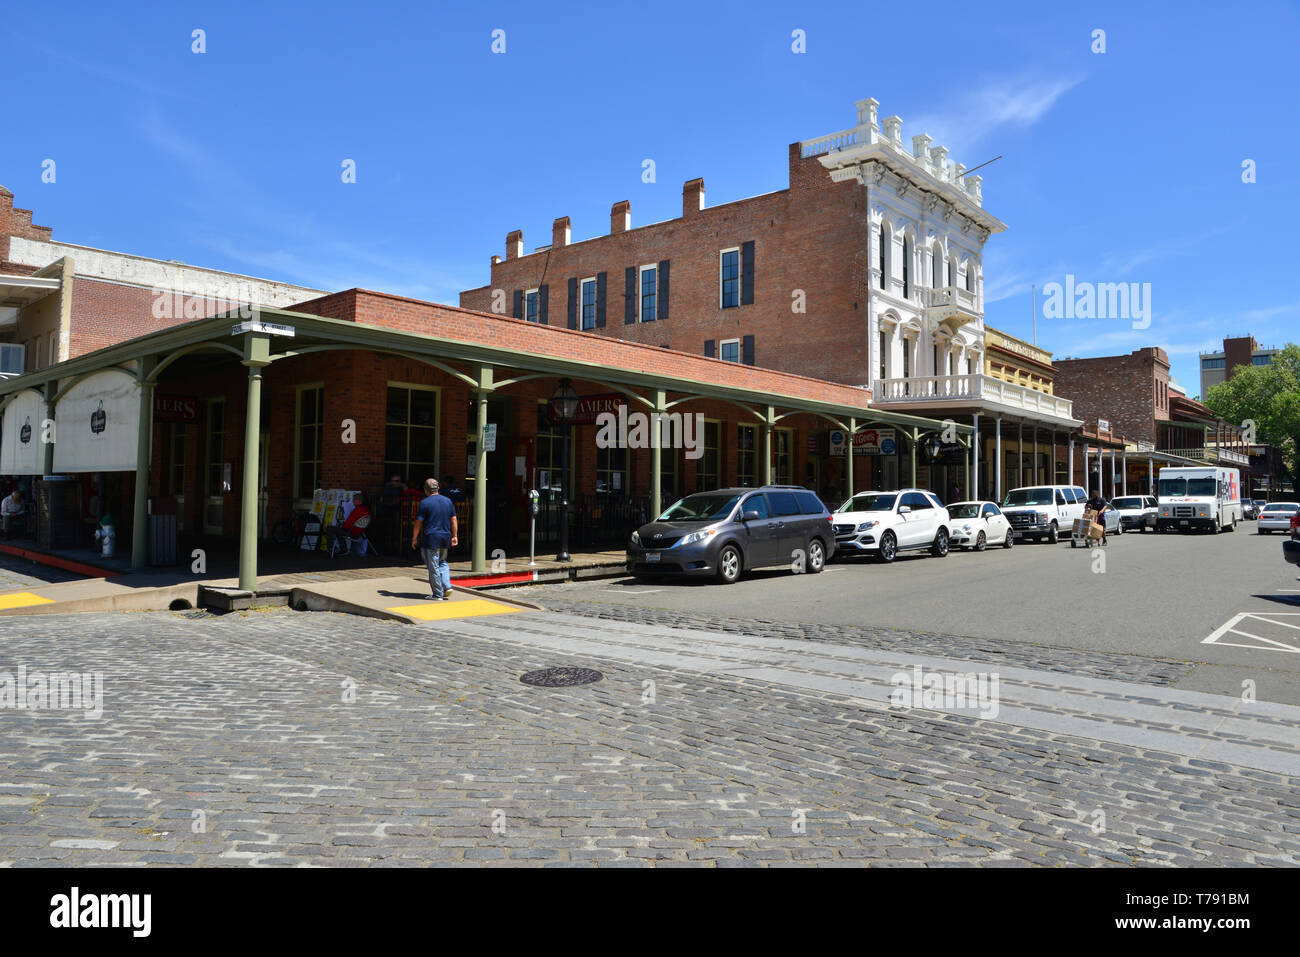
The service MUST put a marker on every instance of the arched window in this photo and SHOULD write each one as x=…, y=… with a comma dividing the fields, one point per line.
x=907, y=263
x=884, y=354
x=884, y=255
x=970, y=276
x=936, y=271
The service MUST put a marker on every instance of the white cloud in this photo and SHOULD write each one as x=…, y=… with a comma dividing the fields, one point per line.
x=1019, y=101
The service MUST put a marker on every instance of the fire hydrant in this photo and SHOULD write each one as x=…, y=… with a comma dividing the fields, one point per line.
x=106, y=535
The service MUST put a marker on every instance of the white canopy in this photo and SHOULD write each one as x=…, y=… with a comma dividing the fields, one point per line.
x=97, y=424
x=21, y=449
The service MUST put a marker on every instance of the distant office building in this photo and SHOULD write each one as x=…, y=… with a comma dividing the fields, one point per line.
x=1217, y=367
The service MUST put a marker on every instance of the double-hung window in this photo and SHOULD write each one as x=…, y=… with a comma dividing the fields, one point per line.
x=729, y=350
x=589, y=303
x=729, y=278
x=649, y=293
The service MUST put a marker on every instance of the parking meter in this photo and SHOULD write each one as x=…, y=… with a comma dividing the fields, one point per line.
x=533, y=509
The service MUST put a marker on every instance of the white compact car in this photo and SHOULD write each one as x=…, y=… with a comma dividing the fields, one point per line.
x=1276, y=517
x=886, y=523
x=1136, y=512
x=979, y=524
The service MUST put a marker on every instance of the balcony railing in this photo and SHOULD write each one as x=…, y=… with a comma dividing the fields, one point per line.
x=1212, y=455
x=975, y=387
x=946, y=296
x=830, y=142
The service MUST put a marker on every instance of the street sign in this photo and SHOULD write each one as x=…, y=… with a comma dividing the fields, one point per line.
x=490, y=437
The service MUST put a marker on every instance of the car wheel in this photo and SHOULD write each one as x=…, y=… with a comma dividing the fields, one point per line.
x=729, y=565
x=939, y=548
x=888, y=549
x=1216, y=527
x=1008, y=540
x=816, y=556
x=1053, y=535
x=1119, y=529
x=1263, y=531
x=981, y=541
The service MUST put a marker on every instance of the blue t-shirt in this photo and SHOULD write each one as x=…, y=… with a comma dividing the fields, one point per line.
x=436, y=513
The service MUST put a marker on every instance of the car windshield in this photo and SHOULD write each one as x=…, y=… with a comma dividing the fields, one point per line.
x=869, y=502
x=1127, y=503
x=1029, y=496
x=1174, y=487
x=700, y=508
x=964, y=511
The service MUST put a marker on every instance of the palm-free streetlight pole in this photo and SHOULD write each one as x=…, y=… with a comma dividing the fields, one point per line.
x=564, y=403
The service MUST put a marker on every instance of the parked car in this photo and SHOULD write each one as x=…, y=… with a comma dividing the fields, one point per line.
x=1291, y=547
x=1136, y=512
x=886, y=523
x=728, y=532
x=1249, y=510
x=1044, y=511
x=1276, y=517
x=979, y=524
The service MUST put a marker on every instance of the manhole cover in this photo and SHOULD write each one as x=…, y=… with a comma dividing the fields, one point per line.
x=561, y=677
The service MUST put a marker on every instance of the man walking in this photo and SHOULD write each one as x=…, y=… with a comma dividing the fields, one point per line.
x=434, y=533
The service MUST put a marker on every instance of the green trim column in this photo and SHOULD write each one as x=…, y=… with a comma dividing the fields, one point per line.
x=144, y=432
x=50, y=389
x=478, y=517
x=257, y=352
x=848, y=457
x=656, y=454
x=769, y=422
x=912, y=438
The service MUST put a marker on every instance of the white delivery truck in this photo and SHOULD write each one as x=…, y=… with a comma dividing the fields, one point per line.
x=1199, y=496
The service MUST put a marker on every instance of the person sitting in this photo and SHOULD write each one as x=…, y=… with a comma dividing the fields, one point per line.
x=352, y=526
x=13, y=512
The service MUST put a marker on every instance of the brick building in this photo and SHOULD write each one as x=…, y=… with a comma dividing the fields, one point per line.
x=1217, y=367
x=864, y=270
x=59, y=300
x=1130, y=409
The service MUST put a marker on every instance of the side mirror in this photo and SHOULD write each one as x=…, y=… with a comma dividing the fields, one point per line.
x=904, y=509
x=750, y=515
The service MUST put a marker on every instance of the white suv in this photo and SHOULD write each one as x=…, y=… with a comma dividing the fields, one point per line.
x=886, y=523
x=1044, y=511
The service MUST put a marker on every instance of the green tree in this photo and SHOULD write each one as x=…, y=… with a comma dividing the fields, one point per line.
x=1268, y=396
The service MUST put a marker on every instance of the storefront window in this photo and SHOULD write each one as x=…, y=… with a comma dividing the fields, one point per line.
x=411, y=433
x=611, y=471
x=746, y=455
x=308, y=437
x=783, y=470
x=708, y=467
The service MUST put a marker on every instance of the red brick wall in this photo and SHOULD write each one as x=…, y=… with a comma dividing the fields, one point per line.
x=812, y=236
x=1131, y=391
x=1238, y=352
x=16, y=222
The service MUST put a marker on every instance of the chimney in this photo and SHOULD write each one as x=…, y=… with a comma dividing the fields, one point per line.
x=620, y=217
x=495, y=260
x=560, y=232
x=514, y=244
x=692, y=196
x=894, y=129
x=867, y=112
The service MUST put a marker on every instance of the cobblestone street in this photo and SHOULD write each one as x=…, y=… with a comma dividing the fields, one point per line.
x=234, y=740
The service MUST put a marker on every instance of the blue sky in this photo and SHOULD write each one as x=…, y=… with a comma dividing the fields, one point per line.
x=1118, y=167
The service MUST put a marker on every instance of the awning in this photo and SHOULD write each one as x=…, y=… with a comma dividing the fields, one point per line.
x=97, y=424
x=21, y=449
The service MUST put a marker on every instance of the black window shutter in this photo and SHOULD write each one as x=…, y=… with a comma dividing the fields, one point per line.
x=629, y=295
x=519, y=303
x=543, y=295
x=747, y=274
x=662, y=289
x=747, y=350
x=573, y=303
x=600, y=300
x=710, y=348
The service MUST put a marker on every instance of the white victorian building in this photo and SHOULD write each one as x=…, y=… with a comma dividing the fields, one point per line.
x=925, y=309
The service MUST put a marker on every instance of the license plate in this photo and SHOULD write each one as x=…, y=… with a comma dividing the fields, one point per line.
x=1183, y=522
x=652, y=556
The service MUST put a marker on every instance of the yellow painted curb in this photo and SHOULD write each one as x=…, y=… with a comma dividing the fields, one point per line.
x=440, y=610
x=23, y=599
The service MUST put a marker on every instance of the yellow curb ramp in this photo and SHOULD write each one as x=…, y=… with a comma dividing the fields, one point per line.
x=402, y=599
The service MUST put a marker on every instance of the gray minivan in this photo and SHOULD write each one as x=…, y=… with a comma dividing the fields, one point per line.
x=729, y=531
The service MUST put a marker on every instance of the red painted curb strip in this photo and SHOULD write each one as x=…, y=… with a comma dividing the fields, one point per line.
x=91, y=571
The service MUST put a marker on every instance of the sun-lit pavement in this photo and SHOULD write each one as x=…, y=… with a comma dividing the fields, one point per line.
x=287, y=738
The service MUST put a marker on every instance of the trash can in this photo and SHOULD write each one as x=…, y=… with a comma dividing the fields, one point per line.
x=162, y=531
